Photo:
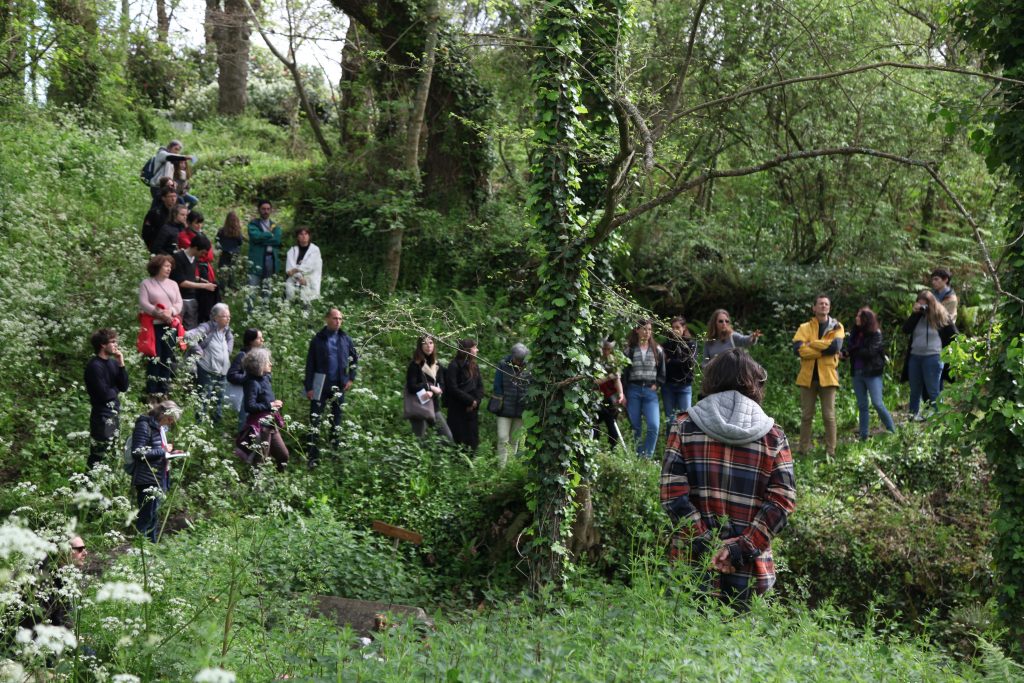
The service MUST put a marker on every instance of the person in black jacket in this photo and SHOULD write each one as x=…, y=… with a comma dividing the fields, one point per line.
x=251, y=339
x=930, y=330
x=465, y=389
x=866, y=352
x=511, y=380
x=330, y=370
x=157, y=217
x=262, y=434
x=426, y=374
x=680, y=351
x=105, y=378
x=151, y=475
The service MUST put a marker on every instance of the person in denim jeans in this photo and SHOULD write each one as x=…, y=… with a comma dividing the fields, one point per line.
x=866, y=352
x=930, y=330
x=680, y=358
x=642, y=380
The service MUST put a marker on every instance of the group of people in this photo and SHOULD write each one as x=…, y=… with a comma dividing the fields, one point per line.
x=666, y=370
x=460, y=388
x=181, y=307
x=652, y=369
x=727, y=481
x=724, y=437
x=245, y=379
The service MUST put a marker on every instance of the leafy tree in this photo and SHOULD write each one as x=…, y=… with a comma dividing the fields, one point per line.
x=674, y=134
x=997, y=27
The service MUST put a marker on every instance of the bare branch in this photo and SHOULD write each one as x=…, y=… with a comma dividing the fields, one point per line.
x=677, y=92
x=977, y=233
x=746, y=92
x=608, y=225
x=709, y=174
x=645, y=132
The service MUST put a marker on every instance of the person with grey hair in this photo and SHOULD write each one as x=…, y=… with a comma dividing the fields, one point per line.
x=261, y=436
x=151, y=473
x=212, y=341
x=508, y=401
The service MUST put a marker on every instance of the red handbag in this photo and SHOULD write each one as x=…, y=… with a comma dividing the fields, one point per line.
x=146, y=341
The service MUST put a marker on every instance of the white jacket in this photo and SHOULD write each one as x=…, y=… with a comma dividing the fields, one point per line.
x=310, y=269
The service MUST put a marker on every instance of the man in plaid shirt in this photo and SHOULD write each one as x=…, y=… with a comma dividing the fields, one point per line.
x=728, y=472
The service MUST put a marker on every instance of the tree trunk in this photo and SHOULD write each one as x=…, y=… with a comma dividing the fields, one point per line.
x=231, y=33
x=393, y=256
x=456, y=162
x=163, y=21
x=350, y=94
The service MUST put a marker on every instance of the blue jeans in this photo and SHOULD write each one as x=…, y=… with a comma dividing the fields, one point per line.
x=925, y=373
x=864, y=387
x=642, y=401
x=676, y=397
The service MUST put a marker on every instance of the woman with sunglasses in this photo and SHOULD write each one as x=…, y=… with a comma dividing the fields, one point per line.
x=721, y=337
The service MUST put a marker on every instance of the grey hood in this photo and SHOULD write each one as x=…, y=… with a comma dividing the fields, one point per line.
x=731, y=417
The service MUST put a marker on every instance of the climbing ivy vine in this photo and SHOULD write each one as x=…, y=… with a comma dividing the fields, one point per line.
x=569, y=159
x=997, y=28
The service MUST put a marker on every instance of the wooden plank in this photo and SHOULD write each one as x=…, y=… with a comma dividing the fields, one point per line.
x=397, y=532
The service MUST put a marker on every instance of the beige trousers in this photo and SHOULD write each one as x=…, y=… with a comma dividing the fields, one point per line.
x=809, y=397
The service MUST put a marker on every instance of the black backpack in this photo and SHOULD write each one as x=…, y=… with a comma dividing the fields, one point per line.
x=148, y=171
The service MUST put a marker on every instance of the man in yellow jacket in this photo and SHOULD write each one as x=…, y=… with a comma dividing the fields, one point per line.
x=817, y=342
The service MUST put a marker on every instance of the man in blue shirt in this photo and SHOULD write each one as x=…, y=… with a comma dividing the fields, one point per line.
x=330, y=371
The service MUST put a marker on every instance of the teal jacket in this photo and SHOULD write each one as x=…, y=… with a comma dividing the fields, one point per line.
x=257, y=241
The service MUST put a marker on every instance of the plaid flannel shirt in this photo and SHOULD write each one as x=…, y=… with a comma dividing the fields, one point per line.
x=746, y=492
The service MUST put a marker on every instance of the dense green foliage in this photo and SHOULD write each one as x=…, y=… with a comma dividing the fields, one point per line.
x=627, y=187
x=999, y=30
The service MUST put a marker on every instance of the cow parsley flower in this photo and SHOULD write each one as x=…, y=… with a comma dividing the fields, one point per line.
x=214, y=675
x=120, y=591
x=16, y=539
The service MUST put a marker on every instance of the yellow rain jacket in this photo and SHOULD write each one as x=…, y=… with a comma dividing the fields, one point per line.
x=810, y=348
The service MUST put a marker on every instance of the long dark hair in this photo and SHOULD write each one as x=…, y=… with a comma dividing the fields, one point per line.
x=634, y=337
x=248, y=337
x=734, y=370
x=463, y=355
x=232, y=226
x=418, y=357
x=868, y=321
x=712, y=332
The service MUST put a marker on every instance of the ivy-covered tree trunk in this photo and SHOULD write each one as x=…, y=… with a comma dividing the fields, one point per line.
x=563, y=300
x=570, y=159
x=997, y=27
x=456, y=162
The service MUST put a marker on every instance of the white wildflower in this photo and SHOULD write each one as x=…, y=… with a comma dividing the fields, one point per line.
x=214, y=675
x=11, y=672
x=120, y=591
x=16, y=539
x=48, y=639
x=124, y=678
x=84, y=497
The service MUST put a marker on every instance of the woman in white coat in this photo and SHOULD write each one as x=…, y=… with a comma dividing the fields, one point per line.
x=303, y=267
